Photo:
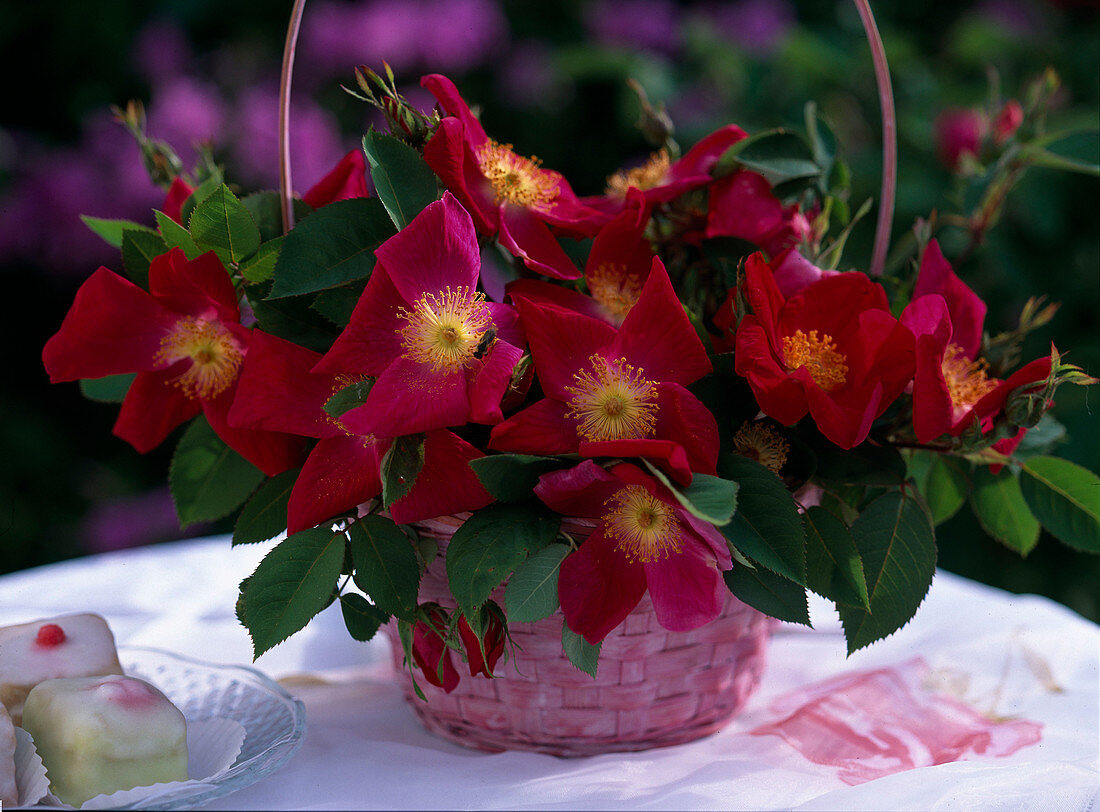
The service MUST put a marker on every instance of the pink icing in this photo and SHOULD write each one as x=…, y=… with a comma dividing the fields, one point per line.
x=875, y=723
x=50, y=635
x=131, y=694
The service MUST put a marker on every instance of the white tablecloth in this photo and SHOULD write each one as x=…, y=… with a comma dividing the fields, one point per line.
x=1024, y=667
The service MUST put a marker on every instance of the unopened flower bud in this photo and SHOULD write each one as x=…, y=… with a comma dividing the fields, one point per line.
x=1007, y=122
x=959, y=132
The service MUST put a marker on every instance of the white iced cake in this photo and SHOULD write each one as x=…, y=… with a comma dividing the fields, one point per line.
x=9, y=792
x=53, y=648
x=103, y=734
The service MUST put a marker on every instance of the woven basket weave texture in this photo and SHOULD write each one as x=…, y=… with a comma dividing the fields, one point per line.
x=653, y=687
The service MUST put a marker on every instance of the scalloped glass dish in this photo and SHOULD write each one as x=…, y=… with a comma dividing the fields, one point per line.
x=274, y=721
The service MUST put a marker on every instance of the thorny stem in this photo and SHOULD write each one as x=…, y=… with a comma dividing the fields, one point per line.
x=286, y=190
x=889, y=139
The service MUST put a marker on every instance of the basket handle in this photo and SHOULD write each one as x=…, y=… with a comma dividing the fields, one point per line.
x=285, y=186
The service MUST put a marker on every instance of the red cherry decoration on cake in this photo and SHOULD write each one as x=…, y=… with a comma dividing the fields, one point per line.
x=49, y=636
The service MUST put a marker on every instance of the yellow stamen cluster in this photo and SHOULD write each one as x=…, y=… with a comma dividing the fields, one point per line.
x=614, y=401
x=967, y=381
x=762, y=443
x=644, y=528
x=516, y=179
x=614, y=288
x=445, y=329
x=214, y=353
x=827, y=365
x=651, y=173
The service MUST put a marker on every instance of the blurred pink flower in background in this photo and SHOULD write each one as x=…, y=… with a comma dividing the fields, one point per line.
x=652, y=25
x=757, y=26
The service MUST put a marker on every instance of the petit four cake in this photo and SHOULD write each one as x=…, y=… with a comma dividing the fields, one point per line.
x=9, y=792
x=67, y=646
x=104, y=734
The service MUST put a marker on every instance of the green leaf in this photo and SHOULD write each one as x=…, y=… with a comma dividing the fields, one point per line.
x=896, y=541
x=490, y=545
x=208, y=479
x=1065, y=498
x=580, y=652
x=999, y=505
x=512, y=477
x=176, y=236
x=111, y=230
x=779, y=155
x=264, y=514
x=385, y=565
x=337, y=304
x=709, y=498
x=946, y=488
x=404, y=183
x=865, y=464
x=110, y=389
x=772, y=594
x=260, y=267
x=532, y=591
x=332, y=246
x=401, y=466
x=222, y=223
x=292, y=319
x=139, y=249
x=766, y=527
x=360, y=616
x=1050, y=160
x=352, y=395
x=291, y=585
x=833, y=566
x=203, y=191
x=266, y=209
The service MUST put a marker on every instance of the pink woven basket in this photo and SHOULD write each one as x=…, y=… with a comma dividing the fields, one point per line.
x=653, y=687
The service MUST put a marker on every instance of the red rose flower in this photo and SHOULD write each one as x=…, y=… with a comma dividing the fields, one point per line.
x=742, y=205
x=184, y=340
x=508, y=195
x=346, y=180
x=832, y=350
x=644, y=541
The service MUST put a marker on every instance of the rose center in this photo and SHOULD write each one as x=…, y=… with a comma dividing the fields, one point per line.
x=444, y=329
x=516, y=179
x=643, y=527
x=214, y=353
x=650, y=174
x=967, y=381
x=615, y=289
x=819, y=355
x=612, y=401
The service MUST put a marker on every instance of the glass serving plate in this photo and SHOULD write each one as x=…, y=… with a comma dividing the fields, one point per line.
x=274, y=721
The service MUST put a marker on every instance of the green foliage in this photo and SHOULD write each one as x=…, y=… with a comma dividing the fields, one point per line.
x=532, y=591
x=404, y=183
x=266, y=209
x=780, y=156
x=361, y=617
x=770, y=593
x=260, y=267
x=351, y=396
x=1065, y=498
x=401, y=466
x=385, y=565
x=264, y=514
x=331, y=247
x=766, y=527
x=512, y=477
x=943, y=481
x=336, y=304
x=709, y=498
x=111, y=230
x=491, y=544
x=999, y=504
x=584, y=655
x=176, y=236
x=833, y=566
x=139, y=248
x=291, y=585
x=222, y=224
x=110, y=389
x=208, y=479
x=896, y=541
